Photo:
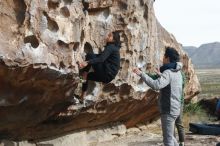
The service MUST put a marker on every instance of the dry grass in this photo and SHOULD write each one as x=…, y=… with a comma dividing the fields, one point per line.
x=210, y=82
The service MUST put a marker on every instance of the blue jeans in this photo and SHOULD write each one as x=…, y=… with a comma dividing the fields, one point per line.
x=168, y=124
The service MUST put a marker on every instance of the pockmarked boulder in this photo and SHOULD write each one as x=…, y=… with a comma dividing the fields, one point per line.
x=41, y=42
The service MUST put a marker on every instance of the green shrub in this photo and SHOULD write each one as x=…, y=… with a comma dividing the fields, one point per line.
x=193, y=108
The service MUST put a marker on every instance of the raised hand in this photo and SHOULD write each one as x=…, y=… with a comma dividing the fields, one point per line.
x=137, y=71
x=157, y=71
x=83, y=64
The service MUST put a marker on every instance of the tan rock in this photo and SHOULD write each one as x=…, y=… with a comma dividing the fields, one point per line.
x=40, y=43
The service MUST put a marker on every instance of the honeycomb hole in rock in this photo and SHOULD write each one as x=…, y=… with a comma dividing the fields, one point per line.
x=104, y=12
x=125, y=64
x=51, y=24
x=53, y=5
x=65, y=11
x=121, y=63
x=88, y=48
x=62, y=65
x=109, y=88
x=53, y=64
x=141, y=2
x=76, y=46
x=125, y=89
x=72, y=67
x=140, y=82
x=129, y=52
x=146, y=12
x=124, y=39
x=82, y=36
x=20, y=9
x=135, y=20
x=122, y=5
x=68, y=2
x=32, y=39
x=62, y=44
x=141, y=62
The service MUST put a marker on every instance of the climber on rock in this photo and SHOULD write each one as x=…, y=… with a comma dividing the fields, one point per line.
x=105, y=65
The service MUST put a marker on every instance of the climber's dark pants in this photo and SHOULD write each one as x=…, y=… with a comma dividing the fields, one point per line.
x=99, y=74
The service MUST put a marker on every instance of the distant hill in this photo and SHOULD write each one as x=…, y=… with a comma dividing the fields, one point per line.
x=206, y=56
x=190, y=50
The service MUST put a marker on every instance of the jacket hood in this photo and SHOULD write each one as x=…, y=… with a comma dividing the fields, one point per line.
x=179, y=66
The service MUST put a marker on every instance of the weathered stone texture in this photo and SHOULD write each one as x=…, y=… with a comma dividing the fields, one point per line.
x=40, y=43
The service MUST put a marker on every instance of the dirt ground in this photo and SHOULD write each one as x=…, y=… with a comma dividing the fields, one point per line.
x=144, y=138
x=150, y=135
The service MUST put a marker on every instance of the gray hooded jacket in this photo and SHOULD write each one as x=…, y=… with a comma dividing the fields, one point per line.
x=170, y=85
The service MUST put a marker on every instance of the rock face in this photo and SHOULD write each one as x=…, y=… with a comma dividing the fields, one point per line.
x=40, y=43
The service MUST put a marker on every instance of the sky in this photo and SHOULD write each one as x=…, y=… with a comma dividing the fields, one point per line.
x=192, y=22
